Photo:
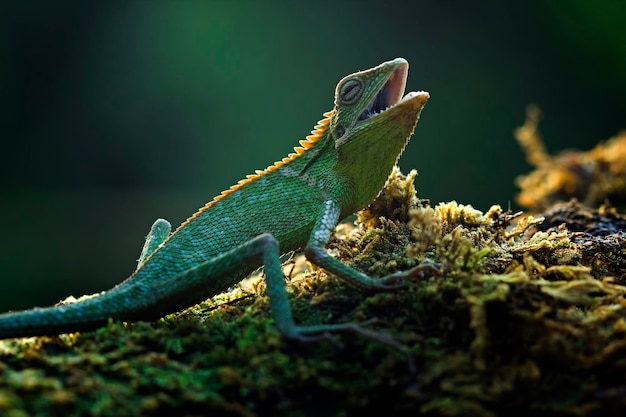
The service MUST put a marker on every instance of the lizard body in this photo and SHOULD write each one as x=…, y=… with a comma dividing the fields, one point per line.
x=295, y=203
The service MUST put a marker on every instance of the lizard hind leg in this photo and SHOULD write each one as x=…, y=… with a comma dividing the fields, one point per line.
x=268, y=247
x=217, y=274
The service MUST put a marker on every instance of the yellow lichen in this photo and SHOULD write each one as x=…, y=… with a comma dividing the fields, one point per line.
x=592, y=177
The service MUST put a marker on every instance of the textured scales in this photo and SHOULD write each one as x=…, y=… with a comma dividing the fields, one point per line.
x=294, y=203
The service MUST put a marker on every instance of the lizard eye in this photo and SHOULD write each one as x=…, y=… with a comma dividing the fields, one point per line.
x=351, y=91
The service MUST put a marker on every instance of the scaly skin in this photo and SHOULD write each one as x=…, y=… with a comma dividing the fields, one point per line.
x=295, y=203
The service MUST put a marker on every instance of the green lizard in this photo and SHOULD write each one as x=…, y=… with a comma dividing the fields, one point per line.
x=295, y=203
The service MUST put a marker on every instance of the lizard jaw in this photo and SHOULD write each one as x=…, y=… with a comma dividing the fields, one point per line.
x=389, y=95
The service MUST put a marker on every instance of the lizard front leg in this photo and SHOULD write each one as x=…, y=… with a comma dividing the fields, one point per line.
x=316, y=253
x=159, y=232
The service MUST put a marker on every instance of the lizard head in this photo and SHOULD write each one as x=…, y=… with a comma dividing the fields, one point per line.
x=371, y=123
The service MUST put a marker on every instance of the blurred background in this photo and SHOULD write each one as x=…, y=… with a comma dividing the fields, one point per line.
x=115, y=113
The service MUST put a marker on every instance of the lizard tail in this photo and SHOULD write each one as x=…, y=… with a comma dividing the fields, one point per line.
x=65, y=318
x=119, y=303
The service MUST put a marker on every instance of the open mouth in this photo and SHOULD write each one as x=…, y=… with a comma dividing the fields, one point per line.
x=389, y=95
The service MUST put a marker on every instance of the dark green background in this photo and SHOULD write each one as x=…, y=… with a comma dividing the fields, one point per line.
x=116, y=113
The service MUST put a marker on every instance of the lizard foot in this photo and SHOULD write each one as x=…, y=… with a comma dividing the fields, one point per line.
x=325, y=332
x=399, y=279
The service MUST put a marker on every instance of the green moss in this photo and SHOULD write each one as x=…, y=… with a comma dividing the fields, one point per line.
x=520, y=320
